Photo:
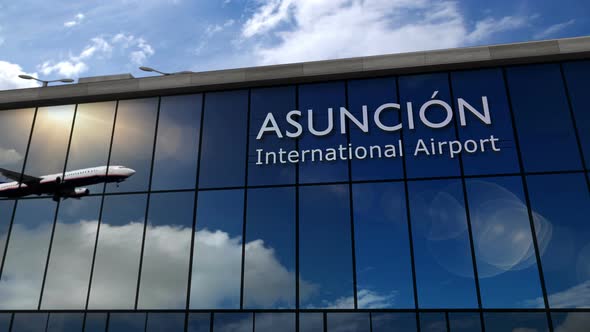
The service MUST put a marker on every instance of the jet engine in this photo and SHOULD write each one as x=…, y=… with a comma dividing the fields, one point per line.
x=79, y=192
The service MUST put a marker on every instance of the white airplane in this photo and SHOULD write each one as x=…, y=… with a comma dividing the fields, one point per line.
x=67, y=185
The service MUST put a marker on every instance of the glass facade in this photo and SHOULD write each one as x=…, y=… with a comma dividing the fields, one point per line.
x=446, y=201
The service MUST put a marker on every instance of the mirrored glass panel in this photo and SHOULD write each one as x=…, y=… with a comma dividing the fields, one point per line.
x=442, y=252
x=199, y=322
x=68, y=273
x=345, y=322
x=133, y=144
x=517, y=321
x=270, y=322
x=6, y=210
x=29, y=322
x=223, y=155
x=542, y=118
x=561, y=206
x=278, y=101
x=421, y=160
x=95, y=322
x=570, y=321
x=577, y=75
x=433, y=322
x=325, y=247
x=5, y=322
x=65, y=322
x=166, y=253
x=496, y=151
x=269, y=271
x=26, y=256
x=384, y=159
x=319, y=105
x=504, y=250
x=311, y=322
x=91, y=140
x=15, y=128
x=399, y=322
x=232, y=322
x=127, y=322
x=217, y=253
x=164, y=322
x=177, y=143
x=383, y=264
x=464, y=321
x=116, y=266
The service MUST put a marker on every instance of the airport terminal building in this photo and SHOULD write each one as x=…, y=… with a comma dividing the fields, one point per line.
x=431, y=191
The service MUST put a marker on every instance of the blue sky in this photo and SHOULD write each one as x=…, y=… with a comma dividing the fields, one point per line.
x=54, y=39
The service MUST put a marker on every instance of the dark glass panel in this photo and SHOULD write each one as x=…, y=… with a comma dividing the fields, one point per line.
x=374, y=93
x=6, y=209
x=311, y=322
x=325, y=249
x=177, y=143
x=399, y=322
x=165, y=322
x=345, y=322
x=561, y=206
x=464, y=321
x=232, y=322
x=319, y=98
x=166, y=253
x=442, y=252
x=224, y=139
x=472, y=86
x=95, y=322
x=506, y=262
x=570, y=321
x=383, y=264
x=26, y=256
x=68, y=273
x=433, y=322
x=269, y=274
x=279, y=101
x=515, y=321
x=217, y=257
x=29, y=322
x=65, y=322
x=418, y=90
x=127, y=322
x=91, y=138
x=114, y=280
x=5, y=322
x=133, y=142
x=577, y=75
x=271, y=322
x=542, y=116
x=199, y=322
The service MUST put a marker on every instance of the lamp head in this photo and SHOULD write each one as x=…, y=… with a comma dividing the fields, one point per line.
x=26, y=77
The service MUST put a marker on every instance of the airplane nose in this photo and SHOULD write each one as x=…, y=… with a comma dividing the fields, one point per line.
x=130, y=171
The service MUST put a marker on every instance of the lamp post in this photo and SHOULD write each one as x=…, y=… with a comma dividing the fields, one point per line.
x=46, y=83
x=149, y=69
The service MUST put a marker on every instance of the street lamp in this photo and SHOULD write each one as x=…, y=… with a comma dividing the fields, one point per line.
x=149, y=69
x=45, y=83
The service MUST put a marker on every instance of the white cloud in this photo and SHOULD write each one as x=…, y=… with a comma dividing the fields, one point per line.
x=213, y=29
x=9, y=156
x=577, y=296
x=9, y=77
x=76, y=21
x=64, y=68
x=142, y=49
x=366, y=299
x=289, y=31
x=553, y=29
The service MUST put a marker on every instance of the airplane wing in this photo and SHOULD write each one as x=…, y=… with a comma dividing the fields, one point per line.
x=16, y=176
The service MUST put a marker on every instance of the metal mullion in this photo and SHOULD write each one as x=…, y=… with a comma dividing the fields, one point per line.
x=528, y=202
x=147, y=205
x=297, y=271
x=244, y=220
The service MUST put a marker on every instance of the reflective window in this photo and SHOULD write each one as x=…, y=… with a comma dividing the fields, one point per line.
x=345, y=322
x=506, y=262
x=6, y=210
x=561, y=206
x=166, y=253
x=269, y=275
x=68, y=273
x=199, y=322
x=472, y=86
x=133, y=142
x=325, y=249
x=418, y=90
x=464, y=321
x=95, y=322
x=442, y=253
x=29, y=322
x=271, y=322
x=26, y=256
x=177, y=143
x=15, y=127
x=577, y=75
x=517, y=321
x=127, y=322
x=311, y=322
x=5, y=322
x=91, y=139
x=164, y=322
x=232, y=322
x=372, y=94
x=543, y=121
x=433, y=322
x=385, y=322
x=217, y=253
x=279, y=101
x=224, y=139
x=114, y=280
x=65, y=322
x=383, y=264
x=320, y=98
x=570, y=321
